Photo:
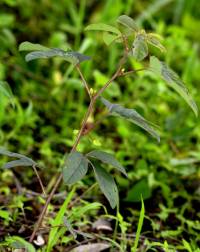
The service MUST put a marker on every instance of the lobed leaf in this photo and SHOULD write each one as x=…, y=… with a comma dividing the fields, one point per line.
x=128, y=22
x=140, y=48
x=102, y=27
x=108, y=159
x=132, y=115
x=75, y=167
x=173, y=81
x=28, y=46
x=107, y=185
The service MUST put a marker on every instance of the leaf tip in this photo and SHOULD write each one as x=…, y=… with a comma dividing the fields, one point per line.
x=195, y=109
x=27, y=57
x=20, y=47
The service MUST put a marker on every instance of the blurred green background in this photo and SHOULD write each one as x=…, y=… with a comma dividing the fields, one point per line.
x=51, y=101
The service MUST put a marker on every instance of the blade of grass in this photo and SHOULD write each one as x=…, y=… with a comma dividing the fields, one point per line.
x=139, y=228
x=53, y=238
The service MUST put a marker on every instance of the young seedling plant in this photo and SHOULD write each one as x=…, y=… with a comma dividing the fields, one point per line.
x=136, y=43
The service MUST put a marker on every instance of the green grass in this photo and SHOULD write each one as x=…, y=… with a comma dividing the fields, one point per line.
x=139, y=228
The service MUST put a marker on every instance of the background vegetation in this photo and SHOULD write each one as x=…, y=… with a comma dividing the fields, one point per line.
x=50, y=102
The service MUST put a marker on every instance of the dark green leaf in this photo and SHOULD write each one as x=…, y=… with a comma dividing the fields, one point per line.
x=40, y=52
x=23, y=160
x=6, y=90
x=140, y=48
x=28, y=46
x=108, y=159
x=9, y=153
x=13, y=154
x=107, y=185
x=72, y=57
x=128, y=22
x=140, y=188
x=19, y=162
x=131, y=115
x=102, y=27
x=75, y=167
x=173, y=81
x=44, y=54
